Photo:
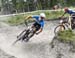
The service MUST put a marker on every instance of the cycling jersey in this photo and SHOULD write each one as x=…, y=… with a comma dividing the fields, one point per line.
x=37, y=19
x=70, y=11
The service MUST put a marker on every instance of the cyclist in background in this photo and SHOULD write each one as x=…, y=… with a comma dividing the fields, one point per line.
x=72, y=14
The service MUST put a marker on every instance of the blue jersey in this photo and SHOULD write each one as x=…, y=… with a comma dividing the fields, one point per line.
x=70, y=12
x=37, y=19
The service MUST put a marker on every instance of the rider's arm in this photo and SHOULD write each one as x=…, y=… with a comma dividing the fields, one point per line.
x=63, y=14
x=35, y=16
x=28, y=17
x=40, y=30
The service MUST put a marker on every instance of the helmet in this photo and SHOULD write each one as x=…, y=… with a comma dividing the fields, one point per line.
x=42, y=15
x=65, y=9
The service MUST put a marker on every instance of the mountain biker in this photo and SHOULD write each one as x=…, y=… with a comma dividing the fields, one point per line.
x=71, y=13
x=39, y=22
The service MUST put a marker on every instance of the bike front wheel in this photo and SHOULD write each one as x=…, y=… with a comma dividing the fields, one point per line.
x=29, y=35
x=58, y=29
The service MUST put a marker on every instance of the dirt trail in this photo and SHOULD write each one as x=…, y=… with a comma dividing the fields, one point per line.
x=37, y=47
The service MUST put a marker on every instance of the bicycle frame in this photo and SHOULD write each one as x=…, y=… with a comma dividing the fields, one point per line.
x=70, y=21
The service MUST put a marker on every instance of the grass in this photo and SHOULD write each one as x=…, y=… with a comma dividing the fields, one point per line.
x=18, y=19
x=66, y=36
x=15, y=20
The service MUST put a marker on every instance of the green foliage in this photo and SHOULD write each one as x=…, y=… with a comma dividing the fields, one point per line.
x=18, y=19
x=15, y=20
x=70, y=2
x=14, y=3
x=53, y=2
x=54, y=14
x=30, y=5
x=66, y=36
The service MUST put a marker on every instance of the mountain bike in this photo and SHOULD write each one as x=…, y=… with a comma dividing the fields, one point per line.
x=26, y=34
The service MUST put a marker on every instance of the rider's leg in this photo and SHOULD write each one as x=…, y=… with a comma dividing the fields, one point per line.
x=36, y=27
x=27, y=38
x=25, y=35
x=32, y=27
